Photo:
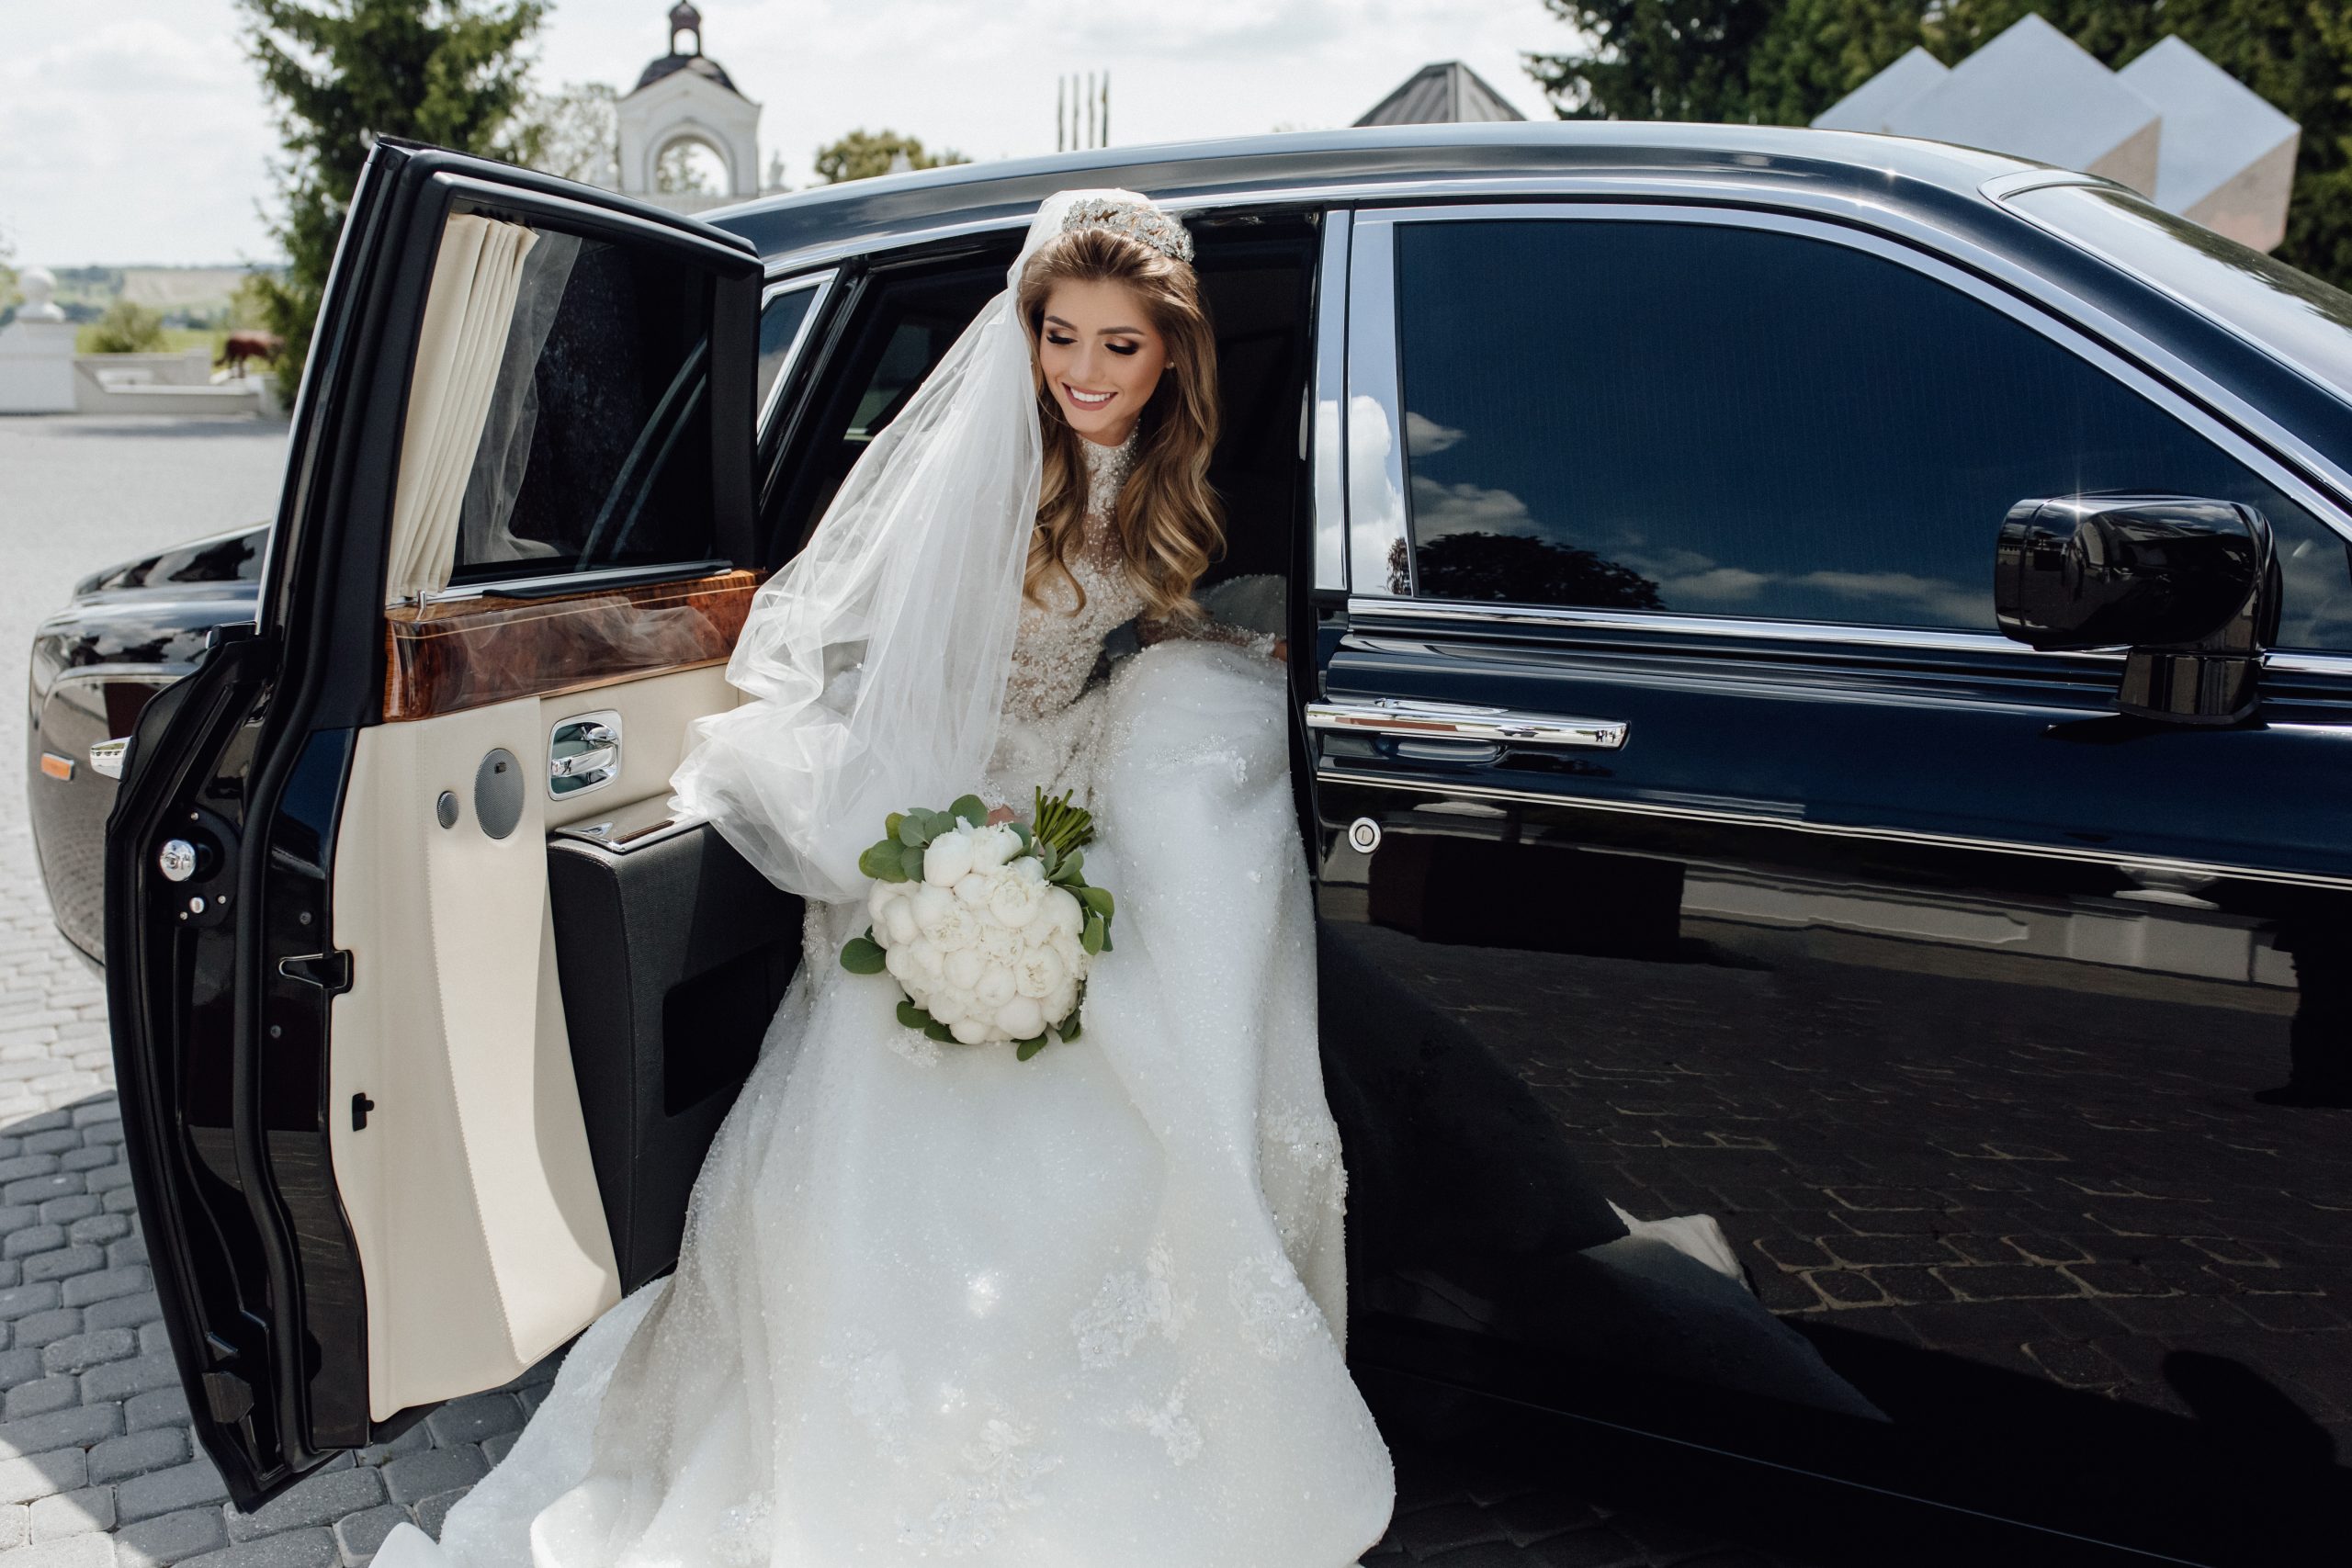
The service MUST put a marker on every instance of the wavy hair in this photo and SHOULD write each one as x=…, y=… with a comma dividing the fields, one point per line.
x=1169, y=522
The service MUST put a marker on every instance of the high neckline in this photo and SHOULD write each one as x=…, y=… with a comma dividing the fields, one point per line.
x=1107, y=468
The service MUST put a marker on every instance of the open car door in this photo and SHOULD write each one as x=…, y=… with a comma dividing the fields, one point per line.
x=386, y=1149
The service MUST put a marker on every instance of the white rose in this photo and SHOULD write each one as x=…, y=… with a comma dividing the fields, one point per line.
x=948, y=859
x=900, y=916
x=1039, y=971
x=996, y=986
x=1062, y=1002
x=931, y=905
x=1015, y=900
x=1019, y=1018
x=1062, y=909
x=971, y=1031
x=964, y=967
x=973, y=891
x=993, y=845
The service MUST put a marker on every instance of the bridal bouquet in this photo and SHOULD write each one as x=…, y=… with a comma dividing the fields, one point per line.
x=987, y=928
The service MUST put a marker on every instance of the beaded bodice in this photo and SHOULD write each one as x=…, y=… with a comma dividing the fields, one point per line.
x=1059, y=640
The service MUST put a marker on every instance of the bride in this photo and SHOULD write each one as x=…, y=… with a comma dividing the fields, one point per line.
x=1082, y=1310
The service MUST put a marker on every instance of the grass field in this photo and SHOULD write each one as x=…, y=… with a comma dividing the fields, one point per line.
x=176, y=340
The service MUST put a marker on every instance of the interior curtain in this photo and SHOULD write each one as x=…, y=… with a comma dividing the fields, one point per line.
x=485, y=527
x=468, y=315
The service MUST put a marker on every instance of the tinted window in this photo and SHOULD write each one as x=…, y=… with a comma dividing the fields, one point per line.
x=1723, y=421
x=597, y=448
x=2302, y=321
x=780, y=323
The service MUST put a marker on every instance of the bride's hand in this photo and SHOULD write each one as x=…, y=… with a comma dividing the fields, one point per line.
x=1001, y=814
x=1282, y=651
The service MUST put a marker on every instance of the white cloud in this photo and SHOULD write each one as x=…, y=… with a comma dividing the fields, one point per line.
x=1424, y=435
x=135, y=130
x=1440, y=509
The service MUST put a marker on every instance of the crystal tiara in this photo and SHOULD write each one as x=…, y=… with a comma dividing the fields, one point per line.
x=1137, y=220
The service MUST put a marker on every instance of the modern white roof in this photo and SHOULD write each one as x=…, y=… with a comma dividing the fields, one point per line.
x=2215, y=126
x=1870, y=106
x=2038, y=94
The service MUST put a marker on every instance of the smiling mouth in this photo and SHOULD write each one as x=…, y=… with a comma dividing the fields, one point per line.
x=1087, y=399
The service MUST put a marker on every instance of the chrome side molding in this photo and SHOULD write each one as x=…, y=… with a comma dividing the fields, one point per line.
x=1461, y=721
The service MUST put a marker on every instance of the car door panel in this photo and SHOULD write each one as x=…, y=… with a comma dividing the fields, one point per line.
x=1922, y=1020
x=375, y=971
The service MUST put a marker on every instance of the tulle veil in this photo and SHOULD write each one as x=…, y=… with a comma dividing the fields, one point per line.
x=875, y=664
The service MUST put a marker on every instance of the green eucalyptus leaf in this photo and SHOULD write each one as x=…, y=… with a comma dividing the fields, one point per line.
x=1098, y=899
x=1067, y=1028
x=883, y=864
x=1022, y=829
x=971, y=808
x=911, y=860
x=910, y=829
x=937, y=1030
x=863, y=955
x=912, y=1016
x=1071, y=864
x=1025, y=1049
x=891, y=824
x=1096, y=935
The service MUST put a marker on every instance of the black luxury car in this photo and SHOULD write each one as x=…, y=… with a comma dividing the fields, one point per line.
x=1823, y=675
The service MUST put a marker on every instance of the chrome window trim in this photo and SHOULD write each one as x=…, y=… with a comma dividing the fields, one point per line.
x=776, y=289
x=1923, y=638
x=549, y=584
x=1328, y=436
x=1374, y=337
x=1425, y=718
x=1377, y=536
x=1328, y=773
x=2000, y=187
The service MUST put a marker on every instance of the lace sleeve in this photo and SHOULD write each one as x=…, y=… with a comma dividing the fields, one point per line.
x=1153, y=630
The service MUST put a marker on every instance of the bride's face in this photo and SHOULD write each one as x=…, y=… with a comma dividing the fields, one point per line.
x=1099, y=352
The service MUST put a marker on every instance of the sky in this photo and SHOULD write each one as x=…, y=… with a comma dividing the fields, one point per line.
x=134, y=132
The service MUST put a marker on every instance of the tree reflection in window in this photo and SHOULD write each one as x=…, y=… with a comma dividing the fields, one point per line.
x=1512, y=566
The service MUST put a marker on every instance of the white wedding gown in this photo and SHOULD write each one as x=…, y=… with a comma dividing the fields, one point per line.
x=1080, y=1312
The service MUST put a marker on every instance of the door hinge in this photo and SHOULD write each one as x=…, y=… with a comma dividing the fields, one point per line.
x=360, y=1106
x=330, y=971
x=230, y=1396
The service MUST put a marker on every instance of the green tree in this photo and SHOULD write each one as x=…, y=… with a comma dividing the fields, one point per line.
x=347, y=71
x=573, y=134
x=1816, y=52
x=864, y=153
x=1655, y=59
x=126, y=327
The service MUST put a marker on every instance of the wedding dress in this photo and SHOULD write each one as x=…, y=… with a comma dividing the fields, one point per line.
x=934, y=1303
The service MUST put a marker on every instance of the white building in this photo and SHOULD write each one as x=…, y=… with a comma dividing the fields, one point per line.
x=2172, y=125
x=686, y=96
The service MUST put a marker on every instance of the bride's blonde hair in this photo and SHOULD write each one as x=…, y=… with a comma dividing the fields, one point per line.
x=1167, y=519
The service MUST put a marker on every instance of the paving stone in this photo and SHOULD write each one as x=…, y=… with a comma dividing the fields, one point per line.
x=473, y=1418
x=92, y=1551
x=358, y=1536
x=123, y=1312
x=21, y=1366
x=416, y=1440
x=40, y=1397
x=64, y=1261
x=77, y=1427
x=37, y=1475
x=161, y=1491
x=130, y=1249
x=129, y=1279
x=159, y=1407
x=42, y=1189
x=155, y=1339
x=169, y=1538
x=65, y=1211
x=313, y=1548
x=85, y=1159
x=426, y=1474
x=36, y=1329
x=80, y=1352
x=19, y=1299
x=16, y=1526
x=119, y=1380
x=54, y=1141
x=72, y=1513
x=28, y=1165
x=495, y=1450
x=135, y=1454
x=431, y=1512
x=314, y=1500
x=32, y=1239
x=97, y=1227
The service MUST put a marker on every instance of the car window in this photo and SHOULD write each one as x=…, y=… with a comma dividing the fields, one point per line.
x=1732, y=420
x=594, y=452
x=781, y=320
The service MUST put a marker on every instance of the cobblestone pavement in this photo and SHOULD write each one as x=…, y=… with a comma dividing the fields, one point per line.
x=97, y=1466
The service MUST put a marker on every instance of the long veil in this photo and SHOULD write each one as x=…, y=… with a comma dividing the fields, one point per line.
x=875, y=661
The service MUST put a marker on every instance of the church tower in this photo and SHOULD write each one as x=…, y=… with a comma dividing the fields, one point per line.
x=685, y=95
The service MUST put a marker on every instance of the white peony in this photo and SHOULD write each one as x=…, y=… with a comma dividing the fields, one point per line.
x=948, y=859
x=1015, y=901
x=900, y=917
x=992, y=846
x=996, y=986
x=971, y=1031
x=900, y=962
x=1020, y=1019
x=930, y=905
x=958, y=928
x=1062, y=909
x=879, y=902
x=1039, y=971
x=973, y=891
x=1061, y=1002
x=1030, y=867
x=964, y=968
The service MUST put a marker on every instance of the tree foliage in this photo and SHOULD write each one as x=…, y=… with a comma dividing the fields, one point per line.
x=1782, y=62
x=127, y=327
x=344, y=72
x=573, y=133
x=862, y=154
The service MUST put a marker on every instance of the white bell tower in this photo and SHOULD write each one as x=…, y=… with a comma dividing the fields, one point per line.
x=685, y=95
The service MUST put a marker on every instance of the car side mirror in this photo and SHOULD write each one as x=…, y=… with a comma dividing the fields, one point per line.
x=2190, y=585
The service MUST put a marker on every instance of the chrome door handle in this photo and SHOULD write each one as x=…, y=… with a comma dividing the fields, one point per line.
x=584, y=753
x=1463, y=721
x=106, y=757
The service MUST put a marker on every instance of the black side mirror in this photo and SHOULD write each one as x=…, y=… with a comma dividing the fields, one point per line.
x=2190, y=585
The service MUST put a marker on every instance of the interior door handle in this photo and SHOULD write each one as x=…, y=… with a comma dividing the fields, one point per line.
x=584, y=753
x=1463, y=721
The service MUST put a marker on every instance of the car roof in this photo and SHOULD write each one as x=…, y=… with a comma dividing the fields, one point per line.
x=1345, y=164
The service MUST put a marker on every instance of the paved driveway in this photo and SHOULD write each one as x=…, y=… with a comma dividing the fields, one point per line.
x=97, y=1466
